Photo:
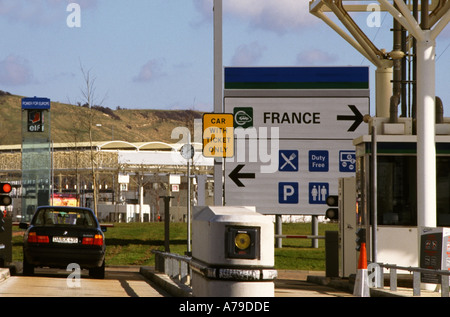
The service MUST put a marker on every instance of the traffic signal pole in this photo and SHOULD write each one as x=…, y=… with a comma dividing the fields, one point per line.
x=218, y=93
x=5, y=225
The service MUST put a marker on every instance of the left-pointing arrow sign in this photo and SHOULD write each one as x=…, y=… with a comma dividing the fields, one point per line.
x=357, y=118
x=236, y=176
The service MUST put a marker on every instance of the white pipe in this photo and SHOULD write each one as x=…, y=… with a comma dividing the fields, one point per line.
x=356, y=33
x=414, y=26
x=348, y=38
x=383, y=90
x=441, y=24
x=404, y=18
x=426, y=146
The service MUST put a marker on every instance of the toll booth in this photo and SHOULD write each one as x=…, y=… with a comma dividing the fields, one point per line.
x=434, y=253
x=232, y=253
x=397, y=232
x=347, y=226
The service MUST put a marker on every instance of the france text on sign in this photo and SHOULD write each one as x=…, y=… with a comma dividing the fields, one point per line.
x=300, y=117
x=218, y=135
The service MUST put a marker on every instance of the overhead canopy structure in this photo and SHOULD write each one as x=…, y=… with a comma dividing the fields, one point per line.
x=434, y=16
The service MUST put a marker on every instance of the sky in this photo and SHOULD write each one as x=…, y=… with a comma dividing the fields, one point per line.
x=158, y=54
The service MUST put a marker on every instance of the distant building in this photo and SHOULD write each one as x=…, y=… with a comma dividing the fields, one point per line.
x=127, y=174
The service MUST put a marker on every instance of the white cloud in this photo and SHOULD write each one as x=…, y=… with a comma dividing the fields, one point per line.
x=15, y=71
x=151, y=70
x=315, y=57
x=247, y=54
x=279, y=16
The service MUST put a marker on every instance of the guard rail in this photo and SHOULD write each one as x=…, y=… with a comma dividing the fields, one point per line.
x=417, y=272
x=175, y=266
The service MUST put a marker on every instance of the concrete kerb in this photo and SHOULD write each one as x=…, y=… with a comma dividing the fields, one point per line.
x=4, y=274
x=177, y=289
x=348, y=286
x=337, y=283
x=174, y=288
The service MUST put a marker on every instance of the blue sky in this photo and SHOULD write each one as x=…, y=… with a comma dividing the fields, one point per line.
x=158, y=54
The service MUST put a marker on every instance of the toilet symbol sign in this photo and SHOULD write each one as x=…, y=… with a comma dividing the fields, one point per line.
x=318, y=193
x=288, y=193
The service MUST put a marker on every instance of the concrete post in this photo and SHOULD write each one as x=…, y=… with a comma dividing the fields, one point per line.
x=426, y=146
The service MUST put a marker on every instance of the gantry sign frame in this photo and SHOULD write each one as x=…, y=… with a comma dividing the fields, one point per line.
x=434, y=18
x=294, y=128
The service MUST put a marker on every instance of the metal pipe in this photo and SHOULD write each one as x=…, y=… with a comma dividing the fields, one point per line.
x=374, y=199
x=424, y=17
x=439, y=110
x=218, y=94
x=403, y=98
x=414, y=88
x=397, y=62
x=393, y=108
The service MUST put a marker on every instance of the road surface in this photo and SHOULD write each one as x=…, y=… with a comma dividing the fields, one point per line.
x=118, y=282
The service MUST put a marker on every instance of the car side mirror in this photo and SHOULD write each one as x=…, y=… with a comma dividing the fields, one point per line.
x=23, y=225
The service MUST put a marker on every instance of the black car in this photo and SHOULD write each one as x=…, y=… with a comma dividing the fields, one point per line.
x=58, y=236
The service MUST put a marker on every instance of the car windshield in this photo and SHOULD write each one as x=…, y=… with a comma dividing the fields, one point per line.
x=70, y=217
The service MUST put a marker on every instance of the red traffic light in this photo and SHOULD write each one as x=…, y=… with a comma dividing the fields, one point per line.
x=5, y=188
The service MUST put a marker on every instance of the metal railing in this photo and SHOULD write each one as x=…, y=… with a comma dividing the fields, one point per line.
x=441, y=277
x=176, y=266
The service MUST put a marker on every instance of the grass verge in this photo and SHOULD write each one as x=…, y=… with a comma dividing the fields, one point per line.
x=132, y=243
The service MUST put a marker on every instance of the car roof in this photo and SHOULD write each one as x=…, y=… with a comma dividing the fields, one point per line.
x=64, y=207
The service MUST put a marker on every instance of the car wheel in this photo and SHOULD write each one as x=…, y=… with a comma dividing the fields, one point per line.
x=28, y=268
x=98, y=272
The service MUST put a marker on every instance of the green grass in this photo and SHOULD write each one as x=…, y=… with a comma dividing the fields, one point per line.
x=132, y=244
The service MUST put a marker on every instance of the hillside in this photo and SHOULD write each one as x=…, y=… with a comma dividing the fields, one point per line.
x=69, y=123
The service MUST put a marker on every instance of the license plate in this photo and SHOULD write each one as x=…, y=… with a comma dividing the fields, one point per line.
x=65, y=240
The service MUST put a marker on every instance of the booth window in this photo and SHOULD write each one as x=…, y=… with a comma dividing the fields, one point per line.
x=397, y=190
x=397, y=194
x=443, y=191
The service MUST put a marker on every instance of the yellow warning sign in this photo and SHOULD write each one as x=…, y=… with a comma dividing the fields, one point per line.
x=218, y=135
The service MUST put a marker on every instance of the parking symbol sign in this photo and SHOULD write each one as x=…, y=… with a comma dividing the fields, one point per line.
x=318, y=193
x=288, y=193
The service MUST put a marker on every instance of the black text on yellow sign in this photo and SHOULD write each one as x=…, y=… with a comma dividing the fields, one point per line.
x=218, y=135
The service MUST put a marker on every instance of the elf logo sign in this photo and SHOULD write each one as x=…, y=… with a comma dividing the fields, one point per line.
x=243, y=117
x=35, y=121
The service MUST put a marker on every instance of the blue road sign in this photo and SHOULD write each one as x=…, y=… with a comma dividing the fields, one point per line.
x=318, y=161
x=347, y=161
x=288, y=161
x=288, y=193
x=318, y=193
x=35, y=103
